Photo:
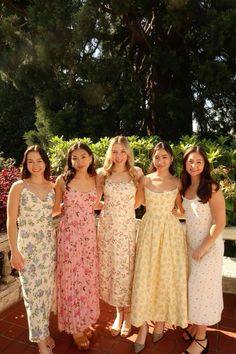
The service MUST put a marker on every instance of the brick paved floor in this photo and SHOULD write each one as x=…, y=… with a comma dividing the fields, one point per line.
x=14, y=335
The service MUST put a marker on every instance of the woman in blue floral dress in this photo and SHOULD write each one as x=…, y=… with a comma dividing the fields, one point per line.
x=30, y=203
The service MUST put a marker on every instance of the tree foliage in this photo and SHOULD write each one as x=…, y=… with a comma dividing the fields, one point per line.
x=16, y=117
x=221, y=153
x=98, y=68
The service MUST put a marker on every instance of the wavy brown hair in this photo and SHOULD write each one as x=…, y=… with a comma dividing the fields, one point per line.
x=167, y=148
x=109, y=164
x=204, y=191
x=35, y=148
x=69, y=170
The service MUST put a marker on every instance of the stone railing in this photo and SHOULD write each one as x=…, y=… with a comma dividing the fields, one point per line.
x=10, y=291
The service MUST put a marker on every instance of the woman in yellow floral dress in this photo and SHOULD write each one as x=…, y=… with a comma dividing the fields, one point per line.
x=160, y=279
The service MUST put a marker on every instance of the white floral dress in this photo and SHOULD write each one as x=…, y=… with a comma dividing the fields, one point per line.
x=205, y=295
x=116, y=243
x=36, y=242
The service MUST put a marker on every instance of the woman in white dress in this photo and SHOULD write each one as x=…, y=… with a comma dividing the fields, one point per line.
x=204, y=207
x=117, y=231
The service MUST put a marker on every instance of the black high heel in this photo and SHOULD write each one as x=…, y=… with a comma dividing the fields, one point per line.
x=205, y=349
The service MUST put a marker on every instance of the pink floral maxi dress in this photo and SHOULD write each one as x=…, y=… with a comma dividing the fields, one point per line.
x=116, y=243
x=77, y=263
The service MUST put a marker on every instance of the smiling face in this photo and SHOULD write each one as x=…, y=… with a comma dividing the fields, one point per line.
x=80, y=159
x=119, y=155
x=35, y=164
x=162, y=160
x=195, y=164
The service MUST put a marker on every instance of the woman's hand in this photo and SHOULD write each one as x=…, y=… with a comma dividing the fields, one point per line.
x=178, y=213
x=198, y=254
x=17, y=260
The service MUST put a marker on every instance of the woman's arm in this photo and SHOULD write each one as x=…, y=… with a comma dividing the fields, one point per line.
x=100, y=189
x=217, y=205
x=140, y=196
x=139, y=172
x=178, y=210
x=17, y=260
x=59, y=191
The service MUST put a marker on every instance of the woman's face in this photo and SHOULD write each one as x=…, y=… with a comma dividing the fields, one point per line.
x=194, y=164
x=162, y=160
x=35, y=164
x=119, y=154
x=80, y=159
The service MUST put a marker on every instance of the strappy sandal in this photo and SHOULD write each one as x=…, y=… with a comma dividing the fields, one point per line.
x=188, y=335
x=82, y=342
x=50, y=342
x=125, y=330
x=50, y=349
x=126, y=325
x=205, y=349
x=115, y=329
x=88, y=332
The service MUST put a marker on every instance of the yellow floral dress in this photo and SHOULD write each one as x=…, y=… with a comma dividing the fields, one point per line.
x=160, y=278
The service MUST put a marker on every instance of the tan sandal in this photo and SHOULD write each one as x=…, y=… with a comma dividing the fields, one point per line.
x=88, y=332
x=50, y=342
x=82, y=342
x=125, y=330
x=116, y=327
x=126, y=325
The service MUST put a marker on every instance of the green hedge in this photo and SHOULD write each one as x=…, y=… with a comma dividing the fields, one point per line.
x=221, y=153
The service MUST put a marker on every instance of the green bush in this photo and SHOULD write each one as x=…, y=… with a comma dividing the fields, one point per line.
x=221, y=153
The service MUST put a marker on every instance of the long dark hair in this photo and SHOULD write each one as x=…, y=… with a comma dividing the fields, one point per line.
x=37, y=148
x=204, y=190
x=167, y=148
x=70, y=171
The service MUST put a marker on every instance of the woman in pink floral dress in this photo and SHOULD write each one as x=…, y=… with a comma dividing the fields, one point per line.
x=77, y=263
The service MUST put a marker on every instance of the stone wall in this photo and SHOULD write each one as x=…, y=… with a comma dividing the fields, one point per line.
x=10, y=290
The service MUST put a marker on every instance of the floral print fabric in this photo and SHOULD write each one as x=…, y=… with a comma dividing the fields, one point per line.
x=205, y=279
x=160, y=278
x=116, y=243
x=77, y=263
x=36, y=242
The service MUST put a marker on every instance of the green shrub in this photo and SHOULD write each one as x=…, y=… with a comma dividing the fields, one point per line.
x=8, y=176
x=221, y=153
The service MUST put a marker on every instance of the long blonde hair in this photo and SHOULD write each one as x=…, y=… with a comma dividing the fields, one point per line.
x=109, y=164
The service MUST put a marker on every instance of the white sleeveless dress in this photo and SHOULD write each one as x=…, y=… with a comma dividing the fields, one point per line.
x=205, y=298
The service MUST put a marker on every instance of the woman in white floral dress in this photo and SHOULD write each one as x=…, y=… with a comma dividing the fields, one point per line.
x=30, y=203
x=116, y=231
x=204, y=206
